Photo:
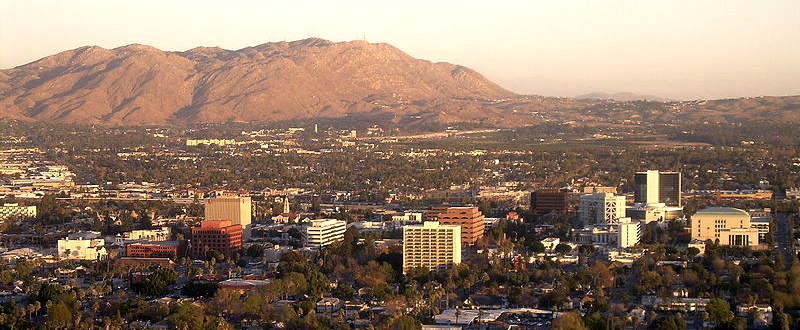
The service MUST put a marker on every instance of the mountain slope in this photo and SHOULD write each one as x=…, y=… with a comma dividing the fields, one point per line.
x=139, y=84
x=315, y=78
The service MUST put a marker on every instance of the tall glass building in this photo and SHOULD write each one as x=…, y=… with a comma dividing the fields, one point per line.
x=653, y=186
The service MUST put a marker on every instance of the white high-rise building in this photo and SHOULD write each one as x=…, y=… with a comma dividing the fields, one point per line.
x=629, y=233
x=601, y=208
x=431, y=245
x=323, y=232
x=238, y=210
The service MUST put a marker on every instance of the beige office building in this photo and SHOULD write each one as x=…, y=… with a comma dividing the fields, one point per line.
x=729, y=225
x=236, y=209
x=324, y=232
x=12, y=210
x=431, y=245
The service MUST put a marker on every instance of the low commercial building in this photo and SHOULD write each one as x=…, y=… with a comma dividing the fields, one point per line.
x=160, y=234
x=653, y=212
x=144, y=262
x=82, y=246
x=684, y=305
x=242, y=285
x=550, y=243
x=219, y=142
x=407, y=217
x=156, y=249
x=216, y=235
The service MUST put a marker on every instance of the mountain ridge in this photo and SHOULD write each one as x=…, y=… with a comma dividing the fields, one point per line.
x=139, y=84
x=312, y=78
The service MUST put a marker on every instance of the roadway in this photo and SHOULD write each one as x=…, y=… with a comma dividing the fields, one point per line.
x=783, y=236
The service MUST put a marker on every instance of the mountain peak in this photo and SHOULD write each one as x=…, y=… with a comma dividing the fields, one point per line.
x=311, y=42
x=137, y=48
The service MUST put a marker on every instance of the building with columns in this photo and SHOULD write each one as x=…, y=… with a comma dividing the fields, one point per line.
x=620, y=234
x=726, y=225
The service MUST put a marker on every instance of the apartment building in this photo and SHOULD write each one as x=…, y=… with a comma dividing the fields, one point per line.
x=431, y=245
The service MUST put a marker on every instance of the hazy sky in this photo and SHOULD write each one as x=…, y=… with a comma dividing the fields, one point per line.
x=673, y=48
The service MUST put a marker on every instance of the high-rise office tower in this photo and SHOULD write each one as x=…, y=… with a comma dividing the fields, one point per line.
x=469, y=218
x=549, y=200
x=653, y=187
x=236, y=209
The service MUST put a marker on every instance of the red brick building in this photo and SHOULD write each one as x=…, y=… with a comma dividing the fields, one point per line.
x=166, y=249
x=216, y=235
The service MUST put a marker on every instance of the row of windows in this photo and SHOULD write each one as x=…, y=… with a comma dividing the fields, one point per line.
x=427, y=264
x=418, y=257
x=214, y=246
x=239, y=234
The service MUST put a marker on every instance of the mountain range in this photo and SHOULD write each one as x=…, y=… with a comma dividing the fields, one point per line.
x=310, y=78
